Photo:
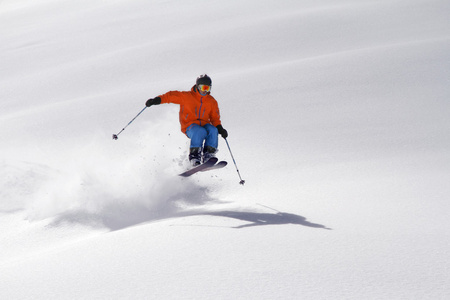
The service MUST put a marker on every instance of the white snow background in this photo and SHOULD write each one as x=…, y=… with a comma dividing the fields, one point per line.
x=338, y=118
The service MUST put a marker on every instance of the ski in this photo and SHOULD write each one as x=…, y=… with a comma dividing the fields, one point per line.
x=210, y=163
x=219, y=165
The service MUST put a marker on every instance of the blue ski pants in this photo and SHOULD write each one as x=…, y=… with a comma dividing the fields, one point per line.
x=199, y=134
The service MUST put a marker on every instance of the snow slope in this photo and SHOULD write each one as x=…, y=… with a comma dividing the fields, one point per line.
x=337, y=113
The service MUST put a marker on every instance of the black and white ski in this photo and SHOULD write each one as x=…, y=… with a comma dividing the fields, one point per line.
x=219, y=165
x=209, y=165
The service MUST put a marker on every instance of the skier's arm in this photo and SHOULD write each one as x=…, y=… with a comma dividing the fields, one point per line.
x=214, y=116
x=169, y=97
x=215, y=119
x=172, y=97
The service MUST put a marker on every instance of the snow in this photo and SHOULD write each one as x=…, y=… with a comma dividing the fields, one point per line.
x=337, y=113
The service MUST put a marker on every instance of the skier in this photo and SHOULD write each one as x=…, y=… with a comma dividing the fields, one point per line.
x=199, y=118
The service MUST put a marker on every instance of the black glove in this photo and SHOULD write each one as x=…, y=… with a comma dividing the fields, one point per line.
x=222, y=131
x=153, y=101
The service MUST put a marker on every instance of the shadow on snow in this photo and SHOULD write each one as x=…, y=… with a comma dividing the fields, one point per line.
x=261, y=219
x=135, y=216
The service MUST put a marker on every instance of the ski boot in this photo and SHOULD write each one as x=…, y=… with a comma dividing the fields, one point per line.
x=195, y=156
x=208, y=152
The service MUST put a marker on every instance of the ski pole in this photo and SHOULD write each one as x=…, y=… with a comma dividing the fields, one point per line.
x=242, y=181
x=116, y=136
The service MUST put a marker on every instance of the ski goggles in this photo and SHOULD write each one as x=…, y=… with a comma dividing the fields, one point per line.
x=204, y=88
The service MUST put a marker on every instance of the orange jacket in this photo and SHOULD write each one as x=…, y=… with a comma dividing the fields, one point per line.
x=194, y=108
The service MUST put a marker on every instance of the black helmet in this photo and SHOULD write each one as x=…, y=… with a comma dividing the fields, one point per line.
x=204, y=79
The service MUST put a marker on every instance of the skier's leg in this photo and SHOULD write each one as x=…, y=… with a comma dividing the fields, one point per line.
x=211, y=142
x=197, y=134
x=212, y=139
